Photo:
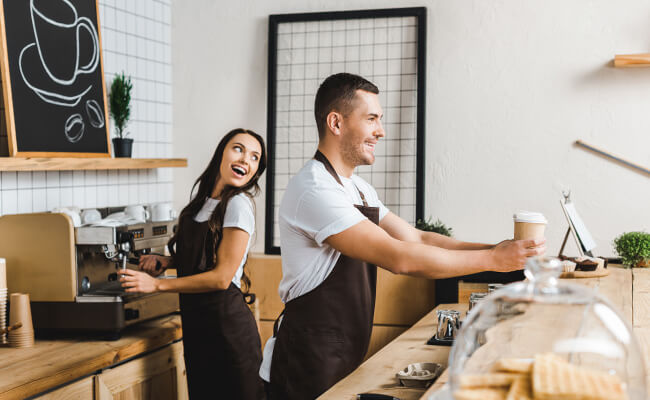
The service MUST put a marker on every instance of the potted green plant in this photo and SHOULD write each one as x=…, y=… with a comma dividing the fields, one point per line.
x=634, y=248
x=437, y=226
x=119, y=99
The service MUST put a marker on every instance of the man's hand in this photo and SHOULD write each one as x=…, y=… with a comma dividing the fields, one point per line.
x=511, y=255
x=139, y=282
x=148, y=264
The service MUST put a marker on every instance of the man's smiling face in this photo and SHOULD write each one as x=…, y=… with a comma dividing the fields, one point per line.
x=361, y=129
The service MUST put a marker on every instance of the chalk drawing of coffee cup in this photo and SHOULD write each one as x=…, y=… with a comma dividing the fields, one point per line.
x=57, y=29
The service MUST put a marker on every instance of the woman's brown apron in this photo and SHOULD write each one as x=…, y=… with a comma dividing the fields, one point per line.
x=220, y=338
x=324, y=334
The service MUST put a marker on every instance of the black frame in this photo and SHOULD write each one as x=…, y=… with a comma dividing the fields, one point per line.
x=421, y=14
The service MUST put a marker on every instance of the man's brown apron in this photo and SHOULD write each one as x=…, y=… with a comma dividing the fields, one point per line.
x=325, y=333
x=220, y=339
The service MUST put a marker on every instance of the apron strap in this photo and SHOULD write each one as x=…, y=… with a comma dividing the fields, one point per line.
x=249, y=298
x=328, y=166
x=275, y=324
x=363, y=198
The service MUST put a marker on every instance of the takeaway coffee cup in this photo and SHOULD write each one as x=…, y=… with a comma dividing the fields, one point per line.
x=20, y=311
x=57, y=29
x=162, y=212
x=529, y=225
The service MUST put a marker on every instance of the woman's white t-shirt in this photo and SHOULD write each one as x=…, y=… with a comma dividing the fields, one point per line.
x=239, y=214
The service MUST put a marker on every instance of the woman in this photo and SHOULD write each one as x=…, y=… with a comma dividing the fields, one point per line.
x=221, y=342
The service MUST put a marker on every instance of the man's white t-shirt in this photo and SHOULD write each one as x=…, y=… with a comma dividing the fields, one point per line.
x=314, y=207
x=239, y=214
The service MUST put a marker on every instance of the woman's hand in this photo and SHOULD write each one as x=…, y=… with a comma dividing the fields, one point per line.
x=511, y=255
x=138, y=282
x=153, y=264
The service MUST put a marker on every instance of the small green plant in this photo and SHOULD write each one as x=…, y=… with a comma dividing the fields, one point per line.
x=633, y=247
x=120, y=103
x=437, y=227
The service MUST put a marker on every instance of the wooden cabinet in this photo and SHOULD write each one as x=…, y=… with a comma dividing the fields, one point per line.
x=402, y=300
x=82, y=389
x=265, y=273
x=381, y=336
x=156, y=376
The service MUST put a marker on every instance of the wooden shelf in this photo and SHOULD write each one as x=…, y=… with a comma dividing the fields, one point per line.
x=59, y=164
x=632, y=60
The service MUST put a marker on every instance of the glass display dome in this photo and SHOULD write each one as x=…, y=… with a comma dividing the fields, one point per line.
x=545, y=339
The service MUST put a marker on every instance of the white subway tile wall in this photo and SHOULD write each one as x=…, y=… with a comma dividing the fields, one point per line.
x=136, y=39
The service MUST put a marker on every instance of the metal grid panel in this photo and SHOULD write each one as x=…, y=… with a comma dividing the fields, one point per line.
x=384, y=50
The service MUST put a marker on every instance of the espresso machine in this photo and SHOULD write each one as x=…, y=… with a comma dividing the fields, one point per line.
x=72, y=273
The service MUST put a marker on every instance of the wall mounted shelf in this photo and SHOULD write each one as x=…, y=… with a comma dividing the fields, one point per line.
x=632, y=60
x=59, y=164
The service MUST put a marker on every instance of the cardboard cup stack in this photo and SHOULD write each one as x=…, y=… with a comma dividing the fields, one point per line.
x=21, y=312
x=3, y=299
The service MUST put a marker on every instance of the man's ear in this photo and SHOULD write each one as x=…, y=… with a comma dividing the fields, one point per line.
x=334, y=120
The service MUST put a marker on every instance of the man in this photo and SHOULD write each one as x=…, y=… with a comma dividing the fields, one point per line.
x=333, y=231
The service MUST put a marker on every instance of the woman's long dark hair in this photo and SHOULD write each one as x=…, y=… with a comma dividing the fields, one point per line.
x=206, y=183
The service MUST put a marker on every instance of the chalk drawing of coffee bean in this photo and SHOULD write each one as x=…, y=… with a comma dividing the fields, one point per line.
x=95, y=114
x=74, y=128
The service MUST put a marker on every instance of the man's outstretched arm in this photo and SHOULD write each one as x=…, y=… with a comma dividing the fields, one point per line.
x=402, y=230
x=369, y=242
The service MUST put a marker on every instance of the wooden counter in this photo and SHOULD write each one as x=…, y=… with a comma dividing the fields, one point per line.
x=628, y=290
x=52, y=363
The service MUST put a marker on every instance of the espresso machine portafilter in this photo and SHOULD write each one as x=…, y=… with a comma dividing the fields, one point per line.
x=119, y=252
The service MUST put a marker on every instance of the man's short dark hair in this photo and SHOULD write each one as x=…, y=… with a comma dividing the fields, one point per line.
x=337, y=93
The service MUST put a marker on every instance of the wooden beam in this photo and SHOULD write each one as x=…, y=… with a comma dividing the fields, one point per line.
x=632, y=60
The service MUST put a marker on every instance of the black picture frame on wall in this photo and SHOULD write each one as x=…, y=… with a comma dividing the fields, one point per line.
x=420, y=14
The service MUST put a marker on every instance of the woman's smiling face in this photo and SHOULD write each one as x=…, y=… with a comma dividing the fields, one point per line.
x=240, y=161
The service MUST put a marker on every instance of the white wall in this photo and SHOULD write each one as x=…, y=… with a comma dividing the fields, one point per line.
x=511, y=85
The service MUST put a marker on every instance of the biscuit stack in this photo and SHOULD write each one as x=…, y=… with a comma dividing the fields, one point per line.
x=547, y=377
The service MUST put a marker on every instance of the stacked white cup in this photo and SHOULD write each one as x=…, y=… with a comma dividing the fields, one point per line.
x=162, y=212
x=3, y=299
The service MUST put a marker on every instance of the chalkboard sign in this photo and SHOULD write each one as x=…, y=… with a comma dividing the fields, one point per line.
x=53, y=78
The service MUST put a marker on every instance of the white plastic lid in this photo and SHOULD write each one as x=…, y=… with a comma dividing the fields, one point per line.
x=530, y=217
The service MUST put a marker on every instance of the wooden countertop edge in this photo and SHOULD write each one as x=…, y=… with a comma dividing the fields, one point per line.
x=111, y=357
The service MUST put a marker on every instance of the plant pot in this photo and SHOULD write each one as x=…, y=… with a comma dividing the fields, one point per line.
x=122, y=147
x=643, y=263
